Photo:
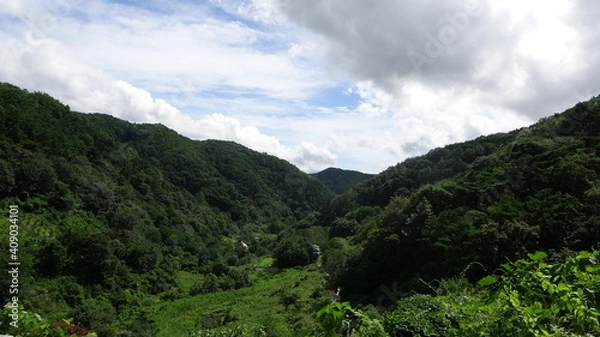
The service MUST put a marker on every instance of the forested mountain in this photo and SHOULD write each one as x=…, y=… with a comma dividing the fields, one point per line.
x=481, y=202
x=135, y=230
x=339, y=180
x=110, y=209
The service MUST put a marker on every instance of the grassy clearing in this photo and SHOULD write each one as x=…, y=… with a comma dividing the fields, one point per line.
x=186, y=279
x=283, y=301
x=266, y=262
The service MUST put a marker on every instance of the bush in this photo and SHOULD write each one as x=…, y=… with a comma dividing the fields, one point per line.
x=293, y=251
x=559, y=299
x=532, y=299
x=418, y=315
x=289, y=297
x=94, y=313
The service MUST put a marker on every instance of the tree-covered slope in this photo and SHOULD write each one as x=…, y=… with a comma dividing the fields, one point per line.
x=110, y=212
x=484, y=201
x=339, y=180
x=111, y=209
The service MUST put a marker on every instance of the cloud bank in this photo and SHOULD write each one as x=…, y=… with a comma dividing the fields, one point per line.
x=529, y=57
x=348, y=83
x=37, y=61
x=442, y=72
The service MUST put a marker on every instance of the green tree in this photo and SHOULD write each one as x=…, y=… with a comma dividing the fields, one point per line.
x=293, y=250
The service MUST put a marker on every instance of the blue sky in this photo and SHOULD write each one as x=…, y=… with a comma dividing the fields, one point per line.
x=319, y=82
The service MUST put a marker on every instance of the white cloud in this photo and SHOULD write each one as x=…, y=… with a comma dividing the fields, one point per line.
x=209, y=54
x=268, y=73
x=431, y=73
x=47, y=65
x=518, y=53
x=307, y=156
x=264, y=11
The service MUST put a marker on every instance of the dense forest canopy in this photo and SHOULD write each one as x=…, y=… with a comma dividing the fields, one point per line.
x=111, y=208
x=484, y=201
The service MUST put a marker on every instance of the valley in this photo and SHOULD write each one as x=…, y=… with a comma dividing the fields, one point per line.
x=134, y=230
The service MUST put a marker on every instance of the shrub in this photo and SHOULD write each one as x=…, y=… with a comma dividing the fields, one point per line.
x=293, y=251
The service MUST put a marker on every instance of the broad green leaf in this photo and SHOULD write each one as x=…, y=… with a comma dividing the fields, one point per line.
x=563, y=287
x=323, y=311
x=537, y=256
x=514, y=299
x=486, y=281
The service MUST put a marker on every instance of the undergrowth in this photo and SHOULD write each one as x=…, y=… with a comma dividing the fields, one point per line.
x=531, y=298
x=527, y=298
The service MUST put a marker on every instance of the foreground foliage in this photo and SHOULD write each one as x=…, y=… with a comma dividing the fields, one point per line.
x=33, y=325
x=530, y=298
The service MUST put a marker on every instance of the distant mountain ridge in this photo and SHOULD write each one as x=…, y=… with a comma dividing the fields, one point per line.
x=340, y=180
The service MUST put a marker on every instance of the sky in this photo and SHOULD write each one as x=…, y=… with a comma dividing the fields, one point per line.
x=355, y=84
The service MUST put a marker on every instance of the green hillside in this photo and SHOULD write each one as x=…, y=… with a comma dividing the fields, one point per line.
x=485, y=201
x=339, y=180
x=110, y=211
